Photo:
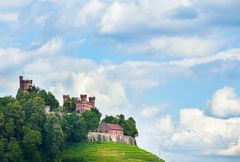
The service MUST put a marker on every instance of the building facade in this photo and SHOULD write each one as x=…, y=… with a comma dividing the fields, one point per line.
x=82, y=104
x=115, y=130
x=107, y=132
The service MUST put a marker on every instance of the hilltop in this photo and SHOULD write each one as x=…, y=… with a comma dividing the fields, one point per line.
x=106, y=152
x=35, y=128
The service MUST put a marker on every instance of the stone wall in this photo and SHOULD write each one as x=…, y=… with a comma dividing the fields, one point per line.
x=105, y=137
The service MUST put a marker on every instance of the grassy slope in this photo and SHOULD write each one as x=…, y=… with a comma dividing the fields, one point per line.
x=107, y=152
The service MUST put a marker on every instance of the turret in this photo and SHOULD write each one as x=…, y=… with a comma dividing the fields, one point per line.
x=92, y=101
x=83, y=97
x=21, y=82
x=25, y=85
x=65, y=97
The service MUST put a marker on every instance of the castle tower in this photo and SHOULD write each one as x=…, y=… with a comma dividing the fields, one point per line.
x=83, y=98
x=65, y=97
x=21, y=82
x=82, y=104
x=25, y=85
x=92, y=101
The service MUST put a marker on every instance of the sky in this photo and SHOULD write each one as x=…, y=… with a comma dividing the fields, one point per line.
x=171, y=65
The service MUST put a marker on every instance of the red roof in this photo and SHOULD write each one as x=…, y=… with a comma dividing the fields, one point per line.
x=114, y=126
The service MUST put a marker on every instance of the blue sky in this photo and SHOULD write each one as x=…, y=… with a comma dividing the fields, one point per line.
x=172, y=65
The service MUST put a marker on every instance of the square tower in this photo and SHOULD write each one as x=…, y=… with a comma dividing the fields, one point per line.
x=25, y=85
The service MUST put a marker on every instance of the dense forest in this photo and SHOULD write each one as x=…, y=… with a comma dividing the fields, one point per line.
x=27, y=133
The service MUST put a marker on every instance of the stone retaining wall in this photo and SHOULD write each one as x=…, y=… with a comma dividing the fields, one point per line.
x=105, y=137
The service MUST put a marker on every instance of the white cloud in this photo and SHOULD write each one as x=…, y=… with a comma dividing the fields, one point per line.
x=9, y=17
x=181, y=46
x=153, y=15
x=150, y=111
x=140, y=76
x=217, y=136
x=116, y=18
x=165, y=125
x=10, y=57
x=51, y=47
x=188, y=47
x=195, y=132
x=144, y=13
x=232, y=150
x=146, y=22
x=14, y=4
x=110, y=95
x=62, y=17
x=214, y=134
x=89, y=12
x=64, y=75
x=225, y=103
x=228, y=55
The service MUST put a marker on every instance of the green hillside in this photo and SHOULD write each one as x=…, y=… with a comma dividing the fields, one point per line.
x=107, y=152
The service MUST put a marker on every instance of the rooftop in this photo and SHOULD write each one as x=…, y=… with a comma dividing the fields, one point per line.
x=114, y=126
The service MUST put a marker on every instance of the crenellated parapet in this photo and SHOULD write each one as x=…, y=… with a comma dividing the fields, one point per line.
x=82, y=104
x=25, y=84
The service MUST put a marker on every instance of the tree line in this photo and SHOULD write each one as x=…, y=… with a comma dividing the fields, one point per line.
x=27, y=133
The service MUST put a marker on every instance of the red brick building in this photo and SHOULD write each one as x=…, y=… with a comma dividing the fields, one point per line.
x=82, y=104
x=112, y=129
x=110, y=133
x=25, y=85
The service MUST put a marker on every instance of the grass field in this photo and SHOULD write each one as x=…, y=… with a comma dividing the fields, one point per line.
x=107, y=152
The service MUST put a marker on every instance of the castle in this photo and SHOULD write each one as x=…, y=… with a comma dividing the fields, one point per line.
x=25, y=85
x=106, y=131
x=81, y=103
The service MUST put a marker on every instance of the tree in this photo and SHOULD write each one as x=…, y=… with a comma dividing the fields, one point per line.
x=14, y=152
x=92, y=120
x=54, y=138
x=128, y=125
x=11, y=118
x=28, y=134
x=96, y=111
x=74, y=128
x=34, y=114
x=8, y=128
x=31, y=141
x=14, y=112
x=49, y=99
x=70, y=105
x=20, y=95
x=52, y=101
x=6, y=100
x=1, y=149
x=110, y=119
